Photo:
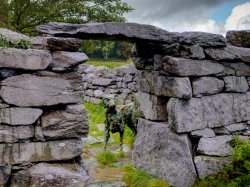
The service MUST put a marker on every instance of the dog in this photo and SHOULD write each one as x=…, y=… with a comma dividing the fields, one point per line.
x=116, y=117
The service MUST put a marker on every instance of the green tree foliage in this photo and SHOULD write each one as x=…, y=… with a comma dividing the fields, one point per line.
x=24, y=15
x=107, y=49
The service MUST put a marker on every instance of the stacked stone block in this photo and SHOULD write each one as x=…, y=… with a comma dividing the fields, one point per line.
x=194, y=97
x=98, y=81
x=41, y=118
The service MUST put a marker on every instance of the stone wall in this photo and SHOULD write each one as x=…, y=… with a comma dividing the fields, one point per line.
x=41, y=120
x=195, y=96
x=98, y=81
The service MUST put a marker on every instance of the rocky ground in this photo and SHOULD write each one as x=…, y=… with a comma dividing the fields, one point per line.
x=104, y=176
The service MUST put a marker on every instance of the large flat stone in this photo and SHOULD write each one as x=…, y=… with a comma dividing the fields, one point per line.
x=188, y=67
x=239, y=38
x=209, y=165
x=30, y=90
x=209, y=111
x=153, y=107
x=119, y=31
x=216, y=146
x=30, y=59
x=19, y=116
x=63, y=124
x=63, y=44
x=163, y=85
x=186, y=115
x=11, y=134
x=207, y=86
x=163, y=153
x=47, y=175
x=18, y=153
x=130, y=32
x=236, y=84
x=5, y=173
x=238, y=69
x=63, y=60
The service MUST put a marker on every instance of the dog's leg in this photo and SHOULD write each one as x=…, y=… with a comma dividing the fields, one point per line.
x=107, y=135
x=121, y=140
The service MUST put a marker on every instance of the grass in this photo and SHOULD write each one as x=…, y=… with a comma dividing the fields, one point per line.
x=107, y=158
x=136, y=178
x=236, y=174
x=110, y=64
x=20, y=44
x=97, y=118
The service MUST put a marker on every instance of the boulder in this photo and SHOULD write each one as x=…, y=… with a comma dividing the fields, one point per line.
x=12, y=36
x=63, y=44
x=132, y=32
x=30, y=59
x=153, y=107
x=186, y=115
x=178, y=50
x=30, y=90
x=19, y=116
x=236, y=84
x=229, y=53
x=164, y=154
x=188, y=67
x=62, y=60
x=11, y=134
x=206, y=133
x=5, y=173
x=202, y=39
x=209, y=111
x=239, y=38
x=216, y=146
x=19, y=153
x=238, y=69
x=47, y=175
x=207, y=86
x=209, y=165
x=64, y=124
x=162, y=85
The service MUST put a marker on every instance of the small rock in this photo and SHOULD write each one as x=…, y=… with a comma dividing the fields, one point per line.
x=236, y=84
x=103, y=82
x=5, y=73
x=236, y=127
x=207, y=86
x=5, y=173
x=206, y=133
x=209, y=165
x=216, y=146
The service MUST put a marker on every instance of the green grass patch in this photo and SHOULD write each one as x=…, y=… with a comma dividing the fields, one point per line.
x=106, y=158
x=136, y=178
x=110, y=64
x=97, y=118
x=236, y=174
x=20, y=44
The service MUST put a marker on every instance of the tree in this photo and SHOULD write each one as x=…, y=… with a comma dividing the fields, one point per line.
x=24, y=15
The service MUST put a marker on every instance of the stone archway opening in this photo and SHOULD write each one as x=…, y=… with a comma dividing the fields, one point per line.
x=192, y=85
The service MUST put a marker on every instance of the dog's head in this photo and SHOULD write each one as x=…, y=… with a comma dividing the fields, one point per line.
x=109, y=103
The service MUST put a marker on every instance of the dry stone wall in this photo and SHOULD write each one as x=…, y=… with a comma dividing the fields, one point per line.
x=195, y=96
x=41, y=118
x=99, y=81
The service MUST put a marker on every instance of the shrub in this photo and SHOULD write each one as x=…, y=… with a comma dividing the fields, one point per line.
x=236, y=174
x=20, y=44
x=136, y=178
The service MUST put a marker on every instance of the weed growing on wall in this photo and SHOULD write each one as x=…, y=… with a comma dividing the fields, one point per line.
x=236, y=174
x=20, y=44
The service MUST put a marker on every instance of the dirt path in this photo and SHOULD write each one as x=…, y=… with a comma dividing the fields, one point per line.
x=108, y=176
